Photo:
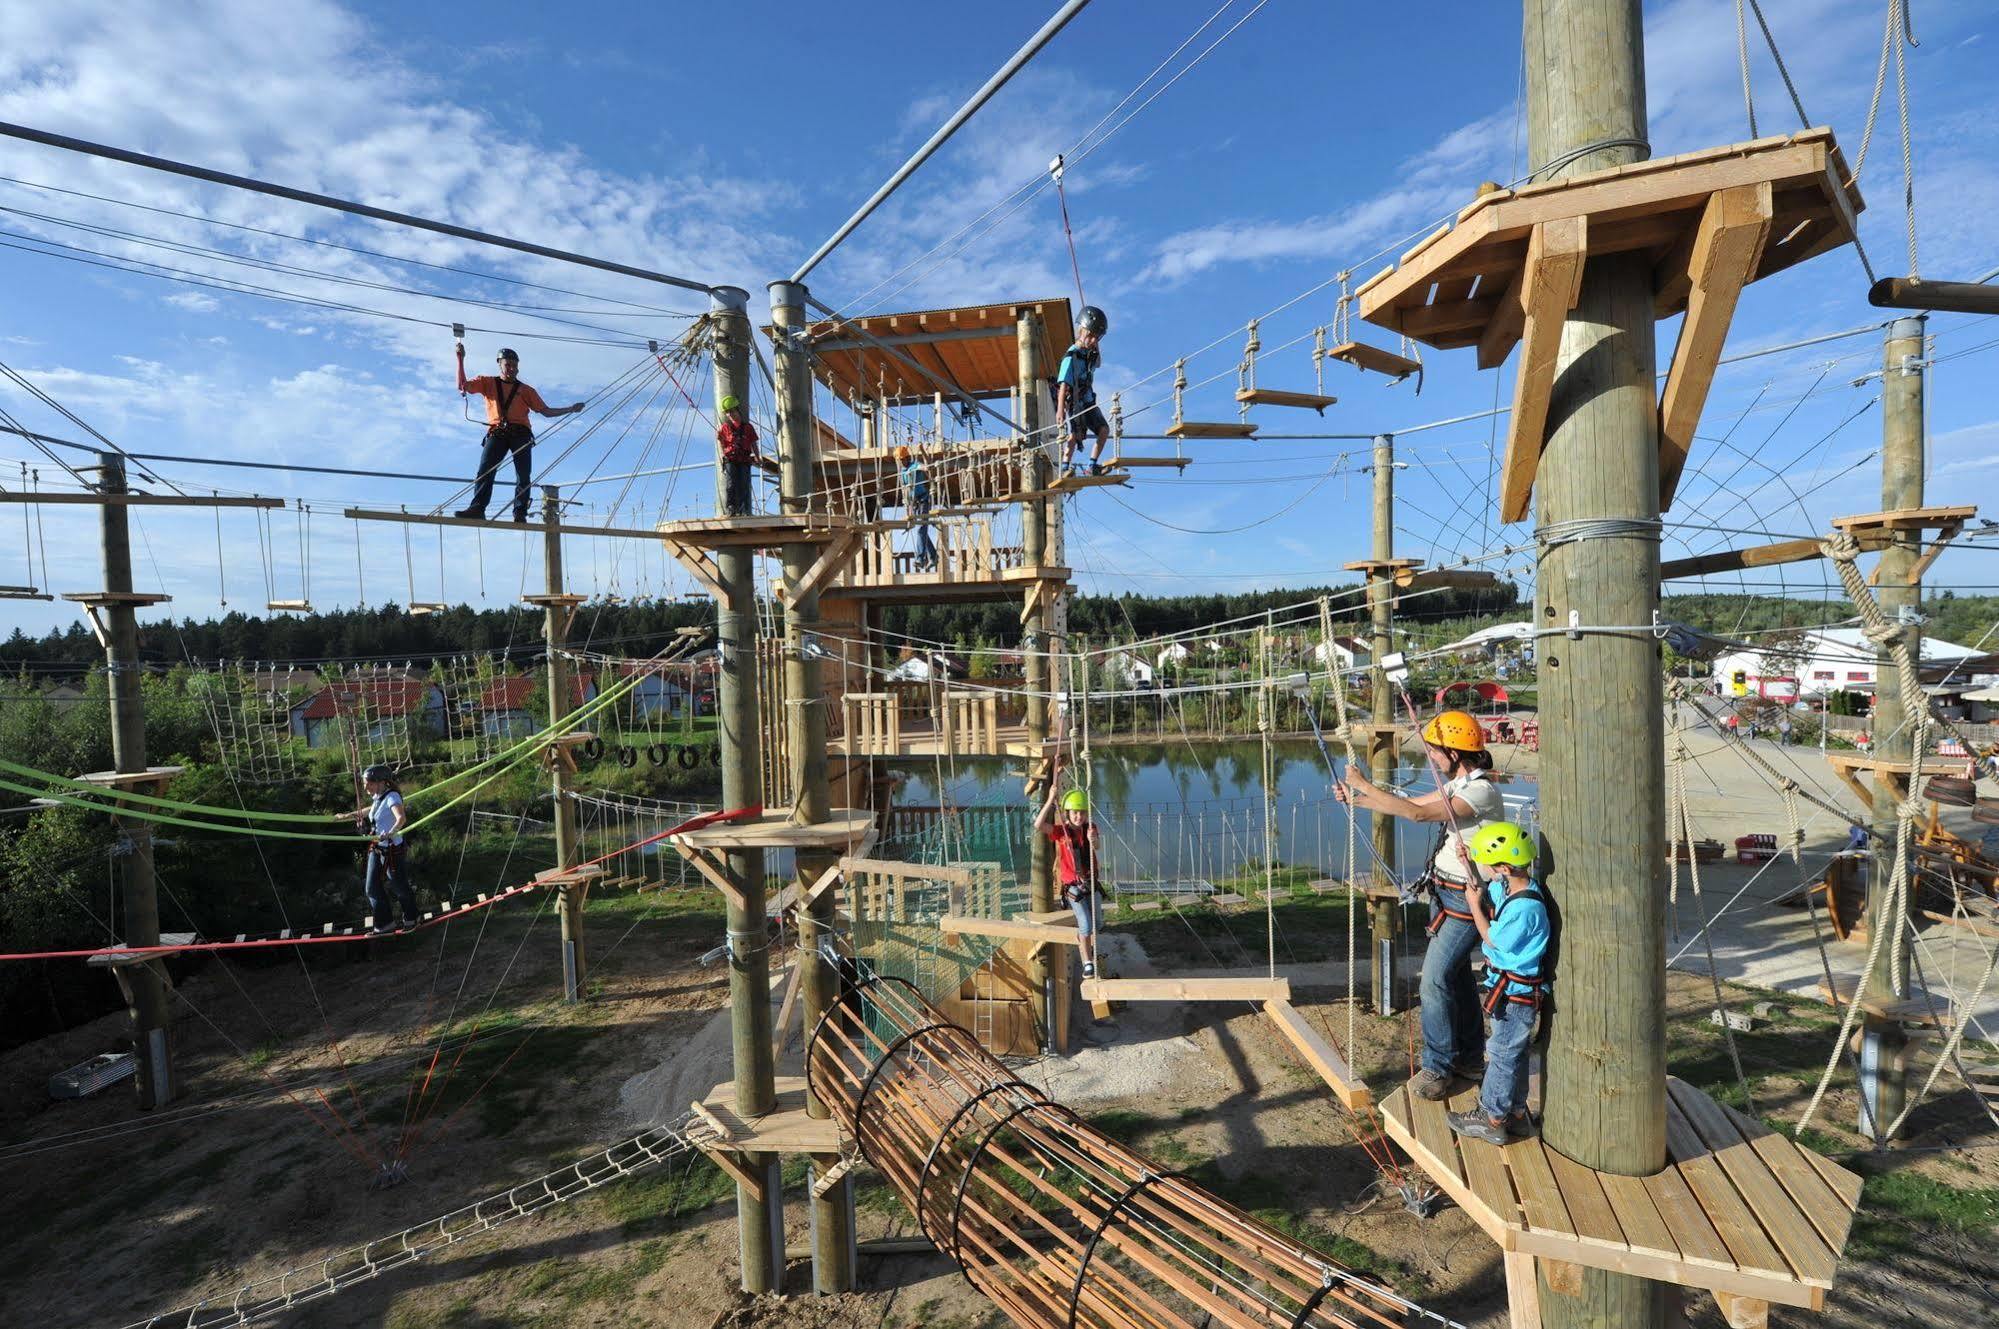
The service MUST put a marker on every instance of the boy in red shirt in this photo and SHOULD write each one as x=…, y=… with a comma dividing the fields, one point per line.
x=738, y=440
x=1075, y=838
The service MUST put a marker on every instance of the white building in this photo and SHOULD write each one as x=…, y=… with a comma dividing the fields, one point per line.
x=1129, y=670
x=1824, y=660
x=1176, y=654
x=1349, y=653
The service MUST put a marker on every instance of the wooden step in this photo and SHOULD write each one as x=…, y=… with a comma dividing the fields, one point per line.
x=1311, y=401
x=1186, y=989
x=1211, y=429
x=1373, y=359
x=1320, y=1055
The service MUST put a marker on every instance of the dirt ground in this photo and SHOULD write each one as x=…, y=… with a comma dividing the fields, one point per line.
x=236, y=1182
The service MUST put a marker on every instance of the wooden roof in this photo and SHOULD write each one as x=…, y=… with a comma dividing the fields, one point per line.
x=972, y=346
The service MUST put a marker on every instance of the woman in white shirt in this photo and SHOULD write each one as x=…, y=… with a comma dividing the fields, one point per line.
x=388, y=868
x=1453, y=1026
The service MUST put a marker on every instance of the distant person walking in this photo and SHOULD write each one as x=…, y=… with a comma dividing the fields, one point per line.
x=916, y=501
x=508, y=401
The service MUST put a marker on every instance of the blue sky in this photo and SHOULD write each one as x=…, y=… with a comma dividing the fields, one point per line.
x=725, y=142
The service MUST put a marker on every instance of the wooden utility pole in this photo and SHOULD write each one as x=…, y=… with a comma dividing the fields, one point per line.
x=558, y=607
x=832, y=1212
x=144, y=984
x=1384, y=749
x=1603, y=791
x=1883, y=1060
x=1037, y=474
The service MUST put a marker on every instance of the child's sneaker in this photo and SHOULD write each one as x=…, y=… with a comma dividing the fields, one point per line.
x=1096, y=468
x=1477, y=1126
x=1430, y=1085
x=1522, y=1126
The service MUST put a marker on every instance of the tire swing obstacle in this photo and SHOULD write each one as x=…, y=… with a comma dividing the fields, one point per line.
x=1737, y=1209
x=1059, y=1225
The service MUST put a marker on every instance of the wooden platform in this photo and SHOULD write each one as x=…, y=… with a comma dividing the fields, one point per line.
x=1739, y=1209
x=1054, y=934
x=846, y=828
x=1211, y=429
x=1361, y=355
x=1187, y=989
x=1510, y=269
x=132, y=779
x=784, y=1130
x=768, y=531
x=1880, y=1005
x=1310, y=401
x=1131, y=463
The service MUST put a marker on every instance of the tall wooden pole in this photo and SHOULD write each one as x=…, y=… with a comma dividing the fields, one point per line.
x=556, y=612
x=1383, y=748
x=1883, y=1068
x=832, y=1213
x=145, y=986
x=1602, y=792
x=1036, y=475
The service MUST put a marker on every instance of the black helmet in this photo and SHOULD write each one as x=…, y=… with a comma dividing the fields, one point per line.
x=377, y=775
x=507, y=353
x=1092, y=319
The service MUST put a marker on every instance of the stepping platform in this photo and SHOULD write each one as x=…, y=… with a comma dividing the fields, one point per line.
x=1311, y=401
x=707, y=847
x=290, y=606
x=152, y=775
x=1394, y=567
x=1739, y=1209
x=491, y=524
x=1445, y=579
x=1054, y=934
x=121, y=955
x=1510, y=270
x=1879, y=1005
x=36, y=593
x=1947, y=522
x=576, y=876
x=1361, y=355
x=1320, y=1054
x=1211, y=429
x=786, y=1129
x=1889, y=773
x=694, y=541
x=1186, y=989
x=1140, y=463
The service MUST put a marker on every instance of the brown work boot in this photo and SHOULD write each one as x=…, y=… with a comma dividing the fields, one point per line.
x=1427, y=1083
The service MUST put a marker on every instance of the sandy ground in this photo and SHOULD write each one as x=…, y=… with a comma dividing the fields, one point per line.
x=237, y=1183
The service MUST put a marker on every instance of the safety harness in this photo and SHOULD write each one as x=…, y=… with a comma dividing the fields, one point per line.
x=504, y=399
x=1500, y=981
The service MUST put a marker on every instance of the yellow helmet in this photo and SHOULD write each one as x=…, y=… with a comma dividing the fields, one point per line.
x=1455, y=730
x=1499, y=842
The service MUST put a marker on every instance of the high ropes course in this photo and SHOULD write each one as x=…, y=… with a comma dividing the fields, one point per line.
x=913, y=459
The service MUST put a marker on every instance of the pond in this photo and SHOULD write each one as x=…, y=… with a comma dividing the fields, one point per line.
x=1188, y=813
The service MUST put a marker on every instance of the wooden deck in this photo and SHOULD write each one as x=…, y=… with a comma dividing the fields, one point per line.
x=1739, y=1210
x=786, y=1129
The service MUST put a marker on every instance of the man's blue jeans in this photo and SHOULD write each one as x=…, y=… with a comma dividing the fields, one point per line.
x=1504, y=1091
x=1453, y=1025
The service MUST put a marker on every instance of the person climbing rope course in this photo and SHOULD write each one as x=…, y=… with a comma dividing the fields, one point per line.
x=1076, y=840
x=915, y=481
x=737, y=438
x=1453, y=1028
x=1076, y=391
x=508, y=401
x=388, y=861
x=1511, y=916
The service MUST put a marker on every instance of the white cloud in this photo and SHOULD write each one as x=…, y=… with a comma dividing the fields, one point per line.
x=194, y=302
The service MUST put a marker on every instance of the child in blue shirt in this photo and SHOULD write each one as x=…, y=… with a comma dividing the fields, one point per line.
x=1512, y=921
x=1076, y=392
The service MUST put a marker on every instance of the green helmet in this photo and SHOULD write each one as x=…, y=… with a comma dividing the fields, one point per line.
x=731, y=402
x=1500, y=842
x=1075, y=801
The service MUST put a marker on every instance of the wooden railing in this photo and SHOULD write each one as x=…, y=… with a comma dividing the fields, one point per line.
x=965, y=552
x=912, y=716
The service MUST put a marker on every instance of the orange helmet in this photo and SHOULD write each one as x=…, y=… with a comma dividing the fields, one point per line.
x=1455, y=730
x=902, y=452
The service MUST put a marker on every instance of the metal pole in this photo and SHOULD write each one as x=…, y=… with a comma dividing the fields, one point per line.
x=1035, y=647
x=944, y=132
x=1900, y=595
x=337, y=204
x=1602, y=730
x=144, y=984
x=561, y=701
x=832, y=1214
x=1384, y=750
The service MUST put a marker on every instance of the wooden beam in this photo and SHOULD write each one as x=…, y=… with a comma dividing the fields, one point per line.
x=834, y=557
x=1187, y=989
x=1743, y=1312
x=696, y=560
x=781, y=1030
x=1729, y=242
x=1737, y=560
x=1320, y=1055
x=1523, y=1291
x=1551, y=280
x=719, y=878
x=831, y=1177
x=136, y=500
x=1955, y=297
x=952, y=925
x=425, y=519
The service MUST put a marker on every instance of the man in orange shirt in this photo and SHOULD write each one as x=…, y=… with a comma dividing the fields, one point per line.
x=508, y=401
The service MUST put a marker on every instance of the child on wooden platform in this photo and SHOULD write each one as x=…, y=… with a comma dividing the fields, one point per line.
x=1076, y=393
x=737, y=438
x=1075, y=838
x=1512, y=921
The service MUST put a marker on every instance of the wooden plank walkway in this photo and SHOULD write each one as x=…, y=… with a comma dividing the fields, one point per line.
x=1739, y=1210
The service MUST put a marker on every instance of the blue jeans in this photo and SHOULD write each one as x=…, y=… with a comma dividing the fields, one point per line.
x=388, y=869
x=1505, y=1089
x=518, y=441
x=1453, y=1025
x=926, y=543
x=1084, y=907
